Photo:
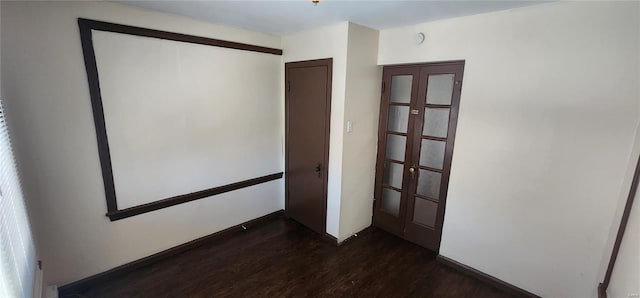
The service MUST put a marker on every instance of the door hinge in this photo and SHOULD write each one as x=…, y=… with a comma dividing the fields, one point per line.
x=288, y=86
x=382, y=87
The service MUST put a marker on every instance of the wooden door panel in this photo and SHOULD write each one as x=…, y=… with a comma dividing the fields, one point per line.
x=437, y=102
x=393, y=140
x=307, y=141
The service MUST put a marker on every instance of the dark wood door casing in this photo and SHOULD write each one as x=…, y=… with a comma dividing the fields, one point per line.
x=307, y=121
x=403, y=225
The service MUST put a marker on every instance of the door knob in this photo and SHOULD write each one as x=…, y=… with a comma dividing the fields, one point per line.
x=412, y=170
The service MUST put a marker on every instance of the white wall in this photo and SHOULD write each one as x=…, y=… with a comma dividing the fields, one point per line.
x=548, y=110
x=49, y=112
x=180, y=117
x=327, y=42
x=362, y=106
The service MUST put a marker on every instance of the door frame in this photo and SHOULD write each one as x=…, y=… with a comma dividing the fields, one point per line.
x=379, y=218
x=327, y=62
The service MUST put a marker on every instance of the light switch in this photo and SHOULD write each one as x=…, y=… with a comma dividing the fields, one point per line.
x=349, y=126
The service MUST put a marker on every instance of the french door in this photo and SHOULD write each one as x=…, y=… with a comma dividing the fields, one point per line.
x=418, y=117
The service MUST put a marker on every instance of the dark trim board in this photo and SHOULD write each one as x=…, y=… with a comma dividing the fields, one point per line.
x=602, y=287
x=445, y=62
x=330, y=238
x=132, y=30
x=602, y=292
x=72, y=289
x=500, y=284
x=91, y=66
x=168, y=202
x=86, y=38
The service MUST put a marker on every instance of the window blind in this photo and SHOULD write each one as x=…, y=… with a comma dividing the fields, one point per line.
x=18, y=264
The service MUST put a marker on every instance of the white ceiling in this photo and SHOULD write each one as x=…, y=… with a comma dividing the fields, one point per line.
x=286, y=17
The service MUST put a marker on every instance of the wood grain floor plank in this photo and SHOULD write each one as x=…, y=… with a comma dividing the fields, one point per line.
x=281, y=258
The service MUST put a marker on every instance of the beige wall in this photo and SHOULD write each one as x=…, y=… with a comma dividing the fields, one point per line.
x=180, y=117
x=542, y=149
x=320, y=43
x=548, y=113
x=355, y=97
x=359, y=149
x=49, y=113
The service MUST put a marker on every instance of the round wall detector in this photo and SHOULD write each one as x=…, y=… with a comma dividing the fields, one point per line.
x=419, y=38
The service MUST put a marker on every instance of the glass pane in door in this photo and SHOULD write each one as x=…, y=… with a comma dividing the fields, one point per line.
x=432, y=154
x=424, y=212
x=429, y=184
x=391, y=201
x=440, y=89
x=436, y=122
x=393, y=174
x=398, y=118
x=401, y=88
x=395, y=147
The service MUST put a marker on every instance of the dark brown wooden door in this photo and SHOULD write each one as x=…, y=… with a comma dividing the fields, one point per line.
x=418, y=118
x=308, y=102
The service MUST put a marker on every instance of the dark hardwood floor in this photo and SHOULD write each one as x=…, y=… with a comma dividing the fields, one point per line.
x=281, y=258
